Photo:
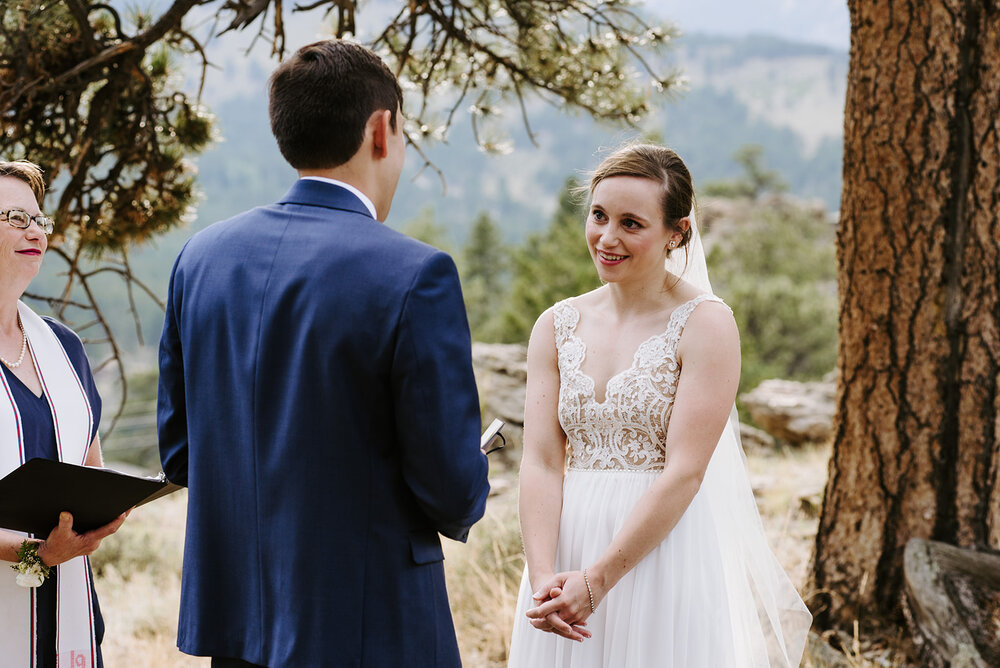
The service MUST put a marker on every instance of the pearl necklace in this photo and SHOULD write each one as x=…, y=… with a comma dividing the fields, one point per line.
x=24, y=346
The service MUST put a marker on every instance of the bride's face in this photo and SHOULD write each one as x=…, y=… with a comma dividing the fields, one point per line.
x=625, y=231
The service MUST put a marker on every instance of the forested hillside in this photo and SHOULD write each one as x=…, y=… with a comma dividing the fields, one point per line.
x=783, y=96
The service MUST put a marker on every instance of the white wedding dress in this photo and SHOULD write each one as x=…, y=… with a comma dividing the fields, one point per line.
x=711, y=595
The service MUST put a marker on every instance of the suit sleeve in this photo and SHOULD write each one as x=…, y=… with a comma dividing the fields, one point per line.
x=171, y=413
x=437, y=405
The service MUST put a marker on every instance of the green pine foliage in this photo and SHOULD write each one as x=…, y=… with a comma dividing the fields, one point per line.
x=113, y=134
x=484, y=267
x=777, y=271
x=426, y=227
x=550, y=266
x=755, y=181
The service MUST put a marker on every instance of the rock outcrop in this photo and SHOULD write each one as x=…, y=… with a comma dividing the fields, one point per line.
x=501, y=372
x=793, y=412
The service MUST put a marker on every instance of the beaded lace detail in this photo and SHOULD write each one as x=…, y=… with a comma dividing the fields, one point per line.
x=628, y=430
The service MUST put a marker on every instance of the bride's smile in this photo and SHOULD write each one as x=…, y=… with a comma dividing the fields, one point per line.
x=626, y=234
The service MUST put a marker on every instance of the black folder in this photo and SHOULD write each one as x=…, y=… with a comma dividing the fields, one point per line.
x=33, y=495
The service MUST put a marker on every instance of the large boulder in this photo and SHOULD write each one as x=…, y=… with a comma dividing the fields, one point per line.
x=793, y=412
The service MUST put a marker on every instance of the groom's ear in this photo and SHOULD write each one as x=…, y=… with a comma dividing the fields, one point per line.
x=380, y=126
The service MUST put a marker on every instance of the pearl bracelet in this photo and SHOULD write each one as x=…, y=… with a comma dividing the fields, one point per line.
x=590, y=592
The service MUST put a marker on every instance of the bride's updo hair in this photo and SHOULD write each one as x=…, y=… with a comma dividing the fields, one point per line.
x=649, y=161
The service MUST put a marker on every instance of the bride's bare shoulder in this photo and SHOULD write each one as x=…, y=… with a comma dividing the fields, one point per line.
x=711, y=326
x=595, y=299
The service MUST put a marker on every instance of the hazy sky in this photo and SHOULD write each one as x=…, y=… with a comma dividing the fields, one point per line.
x=820, y=21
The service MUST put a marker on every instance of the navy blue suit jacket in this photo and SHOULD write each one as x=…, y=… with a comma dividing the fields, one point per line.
x=317, y=399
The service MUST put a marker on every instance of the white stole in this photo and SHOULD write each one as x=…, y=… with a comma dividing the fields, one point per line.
x=73, y=420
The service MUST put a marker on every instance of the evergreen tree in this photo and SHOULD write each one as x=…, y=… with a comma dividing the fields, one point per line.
x=483, y=265
x=756, y=179
x=424, y=227
x=777, y=272
x=549, y=267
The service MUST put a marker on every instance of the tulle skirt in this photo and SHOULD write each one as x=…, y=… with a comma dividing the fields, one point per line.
x=711, y=595
x=670, y=610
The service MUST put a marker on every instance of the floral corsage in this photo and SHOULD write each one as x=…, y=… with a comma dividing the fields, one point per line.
x=31, y=570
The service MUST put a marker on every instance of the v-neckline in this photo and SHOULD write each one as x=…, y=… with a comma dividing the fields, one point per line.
x=11, y=374
x=635, y=355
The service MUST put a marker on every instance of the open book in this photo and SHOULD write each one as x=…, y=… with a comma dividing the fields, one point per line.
x=33, y=495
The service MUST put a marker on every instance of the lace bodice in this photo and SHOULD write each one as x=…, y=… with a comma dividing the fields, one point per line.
x=628, y=430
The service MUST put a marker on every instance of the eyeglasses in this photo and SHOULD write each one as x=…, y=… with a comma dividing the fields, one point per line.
x=22, y=219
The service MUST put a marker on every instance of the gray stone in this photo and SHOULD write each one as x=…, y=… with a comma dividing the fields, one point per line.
x=501, y=373
x=754, y=439
x=793, y=412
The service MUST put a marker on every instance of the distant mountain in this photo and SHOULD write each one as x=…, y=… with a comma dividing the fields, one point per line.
x=786, y=96
x=790, y=85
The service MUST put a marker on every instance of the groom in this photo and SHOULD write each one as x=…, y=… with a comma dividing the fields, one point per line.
x=317, y=399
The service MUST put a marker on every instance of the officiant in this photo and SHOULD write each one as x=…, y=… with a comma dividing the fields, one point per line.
x=50, y=408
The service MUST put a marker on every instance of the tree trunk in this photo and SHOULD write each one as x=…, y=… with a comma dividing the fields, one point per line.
x=916, y=432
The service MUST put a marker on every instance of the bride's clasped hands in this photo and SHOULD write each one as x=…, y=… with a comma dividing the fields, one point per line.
x=565, y=601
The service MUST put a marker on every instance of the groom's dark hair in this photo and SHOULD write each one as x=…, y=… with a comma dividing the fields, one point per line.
x=321, y=99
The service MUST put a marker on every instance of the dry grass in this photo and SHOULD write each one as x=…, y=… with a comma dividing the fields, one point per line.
x=139, y=585
x=483, y=579
x=138, y=571
x=789, y=487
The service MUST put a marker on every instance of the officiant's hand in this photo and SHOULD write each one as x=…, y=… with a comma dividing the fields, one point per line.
x=64, y=544
x=555, y=621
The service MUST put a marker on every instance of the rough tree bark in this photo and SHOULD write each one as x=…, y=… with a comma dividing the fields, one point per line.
x=916, y=433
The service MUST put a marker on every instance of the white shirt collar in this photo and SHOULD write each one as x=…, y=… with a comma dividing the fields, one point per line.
x=346, y=186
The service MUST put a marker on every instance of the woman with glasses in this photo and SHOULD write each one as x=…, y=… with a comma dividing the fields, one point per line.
x=49, y=407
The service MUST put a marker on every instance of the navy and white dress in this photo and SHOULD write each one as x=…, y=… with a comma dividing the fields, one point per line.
x=40, y=441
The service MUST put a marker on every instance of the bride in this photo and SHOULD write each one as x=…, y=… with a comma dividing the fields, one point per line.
x=643, y=542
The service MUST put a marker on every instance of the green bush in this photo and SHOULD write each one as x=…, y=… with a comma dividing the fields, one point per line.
x=777, y=271
x=548, y=267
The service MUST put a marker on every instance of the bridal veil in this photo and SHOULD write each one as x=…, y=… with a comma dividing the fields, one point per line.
x=769, y=621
